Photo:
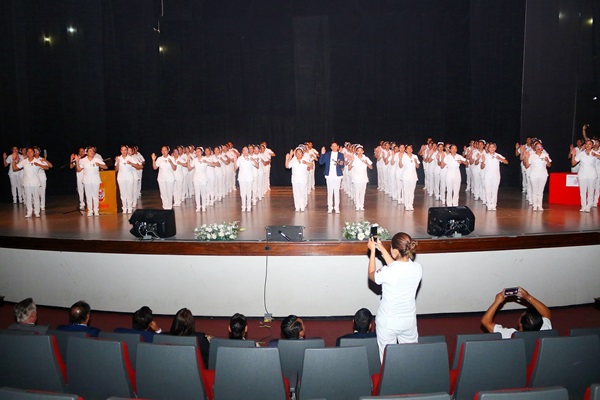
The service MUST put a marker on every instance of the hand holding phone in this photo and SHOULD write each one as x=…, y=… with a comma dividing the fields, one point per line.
x=374, y=232
x=512, y=291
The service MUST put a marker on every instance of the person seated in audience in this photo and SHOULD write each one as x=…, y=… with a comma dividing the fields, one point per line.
x=536, y=318
x=363, y=326
x=26, y=317
x=292, y=328
x=183, y=325
x=238, y=327
x=79, y=318
x=142, y=324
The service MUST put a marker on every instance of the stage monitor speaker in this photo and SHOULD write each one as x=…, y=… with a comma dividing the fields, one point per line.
x=284, y=233
x=450, y=221
x=150, y=224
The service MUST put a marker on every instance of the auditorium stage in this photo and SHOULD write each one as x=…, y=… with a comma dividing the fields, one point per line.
x=513, y=218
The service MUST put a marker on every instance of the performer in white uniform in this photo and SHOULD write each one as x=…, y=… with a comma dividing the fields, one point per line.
x=91, y=165
x=180, y=165
x=399, y=279
x=198, y=168
x=490, y=165
x=138, y=173
x=79, y=177
x=409, y=164
x=538, y=163
x=165, y=164
x=245, y=165
x=300, y=168
x=14, y=176
x=358, y=166
x=587, y=174
x=42, y=172
x=30, y=180
x=126, y=166
x=451, y=163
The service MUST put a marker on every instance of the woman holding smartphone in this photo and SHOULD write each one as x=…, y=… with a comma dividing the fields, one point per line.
x=399, y=279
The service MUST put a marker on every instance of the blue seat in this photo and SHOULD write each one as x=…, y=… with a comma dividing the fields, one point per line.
x=7, y=393
x=372, y=351
x=530, y=338
x=249, y=373
x=132, y=340
x=413, y=368
x=171, y=372
x=216, y=343
x=572, y=362
x=460, y=339
x=98, y=369
x=553, y=393
x=31, y=362
x=490, y=365
x=335, y=373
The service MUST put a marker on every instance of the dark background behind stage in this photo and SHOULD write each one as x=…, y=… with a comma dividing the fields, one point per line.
x=291, y=71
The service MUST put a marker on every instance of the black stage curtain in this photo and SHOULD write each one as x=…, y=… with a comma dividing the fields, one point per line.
x=204, y=72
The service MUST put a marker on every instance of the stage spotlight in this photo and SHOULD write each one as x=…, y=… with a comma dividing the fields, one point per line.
x=47, y=39
x=71, y=30
x=450, y=221
x=153, y=224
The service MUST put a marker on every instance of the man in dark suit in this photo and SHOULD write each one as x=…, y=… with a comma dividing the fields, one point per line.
x=26, y=317
x=363, y=326
x=334, y=163
x=142, y=324
x=79, y=317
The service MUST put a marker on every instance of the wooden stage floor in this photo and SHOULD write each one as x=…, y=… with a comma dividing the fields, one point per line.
x=513, y=218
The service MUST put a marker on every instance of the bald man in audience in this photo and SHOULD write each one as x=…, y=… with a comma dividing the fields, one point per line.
x=79, y=318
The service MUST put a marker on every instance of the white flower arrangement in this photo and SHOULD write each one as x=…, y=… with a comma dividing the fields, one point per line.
x=362, y=231
x=222, y=231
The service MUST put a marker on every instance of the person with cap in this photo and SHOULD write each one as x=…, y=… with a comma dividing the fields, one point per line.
x=358, y=166
x=300, y=169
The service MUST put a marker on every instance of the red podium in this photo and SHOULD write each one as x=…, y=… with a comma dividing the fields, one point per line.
x=564, y=188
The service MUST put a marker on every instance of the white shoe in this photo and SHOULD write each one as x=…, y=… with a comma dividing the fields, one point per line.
x=90, y=214
x=37, y=215
x=27, y=215
x=329, y=211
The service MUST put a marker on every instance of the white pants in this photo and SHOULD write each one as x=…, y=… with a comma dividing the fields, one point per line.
x=409, y=192
x=443, y=179
x=387, y=336
x=246, y=194
x=436, y=184
x=32, y=199
x=127, y=191
x=177, y=192
x=15, y=187
x=200, y=193
x=81, y=190
x=586, y=192
x=360, y=189
x=166, y=194
x=452, y=189
x=91, y=196
x=300, y=195
x=476, y=183
x=43, y=183
x=525, y=178
x=537, y=190
x=491, y=190
x=333, y=192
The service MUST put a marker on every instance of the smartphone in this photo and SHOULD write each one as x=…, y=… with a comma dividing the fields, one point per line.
x=374, y=232
x=512, y=291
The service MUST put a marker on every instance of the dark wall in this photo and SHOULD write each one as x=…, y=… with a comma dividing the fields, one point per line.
x=292, y=71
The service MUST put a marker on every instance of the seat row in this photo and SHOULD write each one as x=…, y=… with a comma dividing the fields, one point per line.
x=97, y=369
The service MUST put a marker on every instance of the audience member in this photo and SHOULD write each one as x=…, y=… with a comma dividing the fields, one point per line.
x=292, y=328
x=183, y=325
x=26, y=317
x=536, y=318
x=142, y=324
x=238, y=327
x=79, y=318
x=362, y=327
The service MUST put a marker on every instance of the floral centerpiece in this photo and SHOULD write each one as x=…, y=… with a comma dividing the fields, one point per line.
x=222, y=231
x=362, y=230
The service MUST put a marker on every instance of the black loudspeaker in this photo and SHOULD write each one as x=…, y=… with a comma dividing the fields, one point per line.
x=150, y=224
x=284, y=233
x=450, y=221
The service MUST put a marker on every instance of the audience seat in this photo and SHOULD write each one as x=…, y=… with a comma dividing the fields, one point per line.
x=132, y=340
x=551, y=393
x=31, y=362
x=167, y=372
x=530, y=338
x=180, y=340
x=98, y=369
x=423, y=396
x=372, y=351
x=7, y=393
x=489, y=365
x=291, y=355
x=432, y=339
x=460, y=339
x=250, y=374
x=585, y=331
x=413, y=368
x=62, y=338
x=572, y=362
x=335, y=373
x=593, y=392
x=16, y=332
x=215, y=343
